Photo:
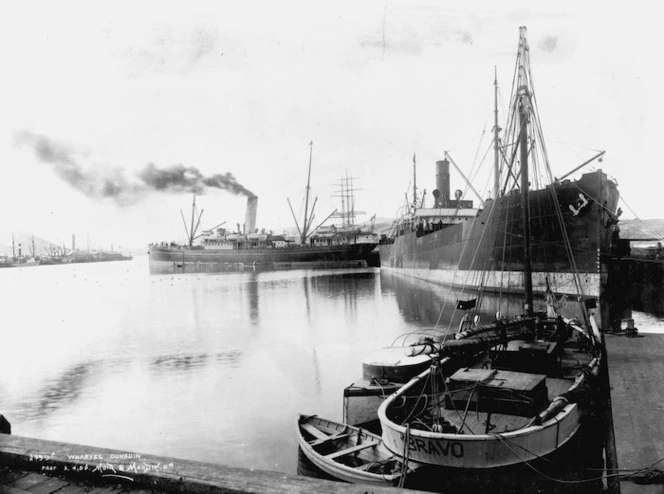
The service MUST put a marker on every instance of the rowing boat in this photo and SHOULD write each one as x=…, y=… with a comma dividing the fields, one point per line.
x=349, y=453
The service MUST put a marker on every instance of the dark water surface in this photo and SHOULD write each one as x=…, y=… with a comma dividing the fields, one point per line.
x=203, y=366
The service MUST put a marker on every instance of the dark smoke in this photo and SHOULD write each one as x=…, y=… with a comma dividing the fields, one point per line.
x=110, y=182
x=182, y=178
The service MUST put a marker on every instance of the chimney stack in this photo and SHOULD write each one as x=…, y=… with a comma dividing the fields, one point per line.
x=443, y=181
x=250, y=216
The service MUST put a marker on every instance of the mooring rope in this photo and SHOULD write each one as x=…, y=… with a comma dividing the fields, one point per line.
x=649, y=473
x=406, y=458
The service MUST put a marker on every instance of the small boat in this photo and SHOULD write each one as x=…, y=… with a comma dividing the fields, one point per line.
x=508, y=392
x=383, y=373
x=349, y=453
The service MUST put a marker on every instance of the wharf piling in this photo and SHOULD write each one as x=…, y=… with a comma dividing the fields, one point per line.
x=34, y=465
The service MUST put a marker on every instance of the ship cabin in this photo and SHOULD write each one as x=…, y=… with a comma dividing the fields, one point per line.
x=445, y=211
x=334, y=235
x=429, y=220
x=223, y=240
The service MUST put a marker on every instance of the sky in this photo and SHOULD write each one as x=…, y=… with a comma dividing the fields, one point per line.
x=103, y=106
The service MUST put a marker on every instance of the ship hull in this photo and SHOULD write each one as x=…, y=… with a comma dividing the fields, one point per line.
x=488, y=249
x=351, y=255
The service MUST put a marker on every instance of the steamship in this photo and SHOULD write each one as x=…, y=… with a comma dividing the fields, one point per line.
x=457, y=243
x=221, y=248
x=343, y=246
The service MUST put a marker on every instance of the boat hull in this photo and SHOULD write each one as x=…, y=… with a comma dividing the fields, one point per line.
x=349, y=437
x=350, y=255
x=525, y=401
x=488, y=249
x=482, y=451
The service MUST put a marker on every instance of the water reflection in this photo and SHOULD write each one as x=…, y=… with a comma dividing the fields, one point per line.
x=307, y=302
x=57, y=393
x=252, y=297
x=65, y=389
x=434, y=306
x=200, y=267
x=186, y=362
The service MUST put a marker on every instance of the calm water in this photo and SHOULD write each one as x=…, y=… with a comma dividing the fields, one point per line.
x=212, y=367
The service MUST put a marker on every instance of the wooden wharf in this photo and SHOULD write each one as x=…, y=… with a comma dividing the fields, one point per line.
x=37, y=466
x=636, y=379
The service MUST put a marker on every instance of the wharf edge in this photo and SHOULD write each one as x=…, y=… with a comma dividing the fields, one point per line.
x=53, y=460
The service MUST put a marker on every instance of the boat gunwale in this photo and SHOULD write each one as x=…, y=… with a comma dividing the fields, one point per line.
x=389, y=424
x=351, y=472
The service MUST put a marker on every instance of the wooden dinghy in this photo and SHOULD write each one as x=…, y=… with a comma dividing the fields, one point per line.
x=349, y=453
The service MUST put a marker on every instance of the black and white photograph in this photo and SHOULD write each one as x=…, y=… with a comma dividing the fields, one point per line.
x=342, y=247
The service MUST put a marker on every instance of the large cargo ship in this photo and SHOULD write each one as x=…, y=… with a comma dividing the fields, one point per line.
x=343, y=246
x=454, y=242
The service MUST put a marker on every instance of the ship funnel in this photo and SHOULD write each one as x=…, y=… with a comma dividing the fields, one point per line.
x=443, y=181
x=250, y=216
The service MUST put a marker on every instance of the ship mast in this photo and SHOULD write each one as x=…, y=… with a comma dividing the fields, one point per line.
x=308, y=217
x=524, y=104
x=496, y=130
x=414, y=184
x=306, y=224
x=193, y=211
x=191, y=229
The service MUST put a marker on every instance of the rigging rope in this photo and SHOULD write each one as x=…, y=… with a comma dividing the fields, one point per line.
x=619, y=476
x=406, y=457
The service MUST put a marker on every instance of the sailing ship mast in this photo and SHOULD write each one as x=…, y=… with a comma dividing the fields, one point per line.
x=523, y=95
x=496, y=130
x=346, y=192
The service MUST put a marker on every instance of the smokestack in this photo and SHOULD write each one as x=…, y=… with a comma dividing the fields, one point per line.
x=19, y=250
x=443, y=181
x=250, y=216
x=73, y=242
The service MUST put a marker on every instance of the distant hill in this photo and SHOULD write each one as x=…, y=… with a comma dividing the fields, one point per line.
x=635, y=228
x=383, y=225
x=42, y=247
x=24, y=241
